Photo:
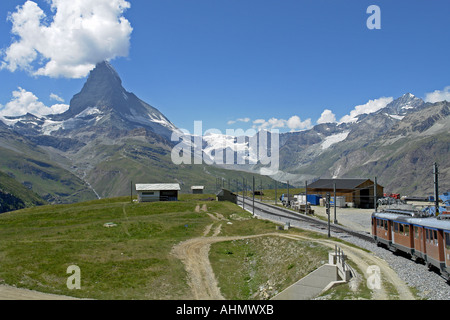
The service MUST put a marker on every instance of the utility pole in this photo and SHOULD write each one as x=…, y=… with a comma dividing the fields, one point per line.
x=306, y=197
x=260, y=192
x=328, y=213
x=276, y=182
x=436, y=188
x=335, y=203
x=375, y=194
x=288, y=202
x=243, y=187
x=253, y=195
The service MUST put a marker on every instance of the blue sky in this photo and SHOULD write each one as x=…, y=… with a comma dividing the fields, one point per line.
x=262, y=61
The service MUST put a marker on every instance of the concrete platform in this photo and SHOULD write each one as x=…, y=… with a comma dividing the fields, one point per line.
x=311, y=285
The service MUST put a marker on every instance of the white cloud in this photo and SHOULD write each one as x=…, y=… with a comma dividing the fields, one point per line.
x=239, y=120
x=55, y=97
x=24, y=102
x=327, y=117
x=294, y=123
x=438, y=95
x=78, y=35
x=369, y=107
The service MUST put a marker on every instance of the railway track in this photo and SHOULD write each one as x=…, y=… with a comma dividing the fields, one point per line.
x=275, y=211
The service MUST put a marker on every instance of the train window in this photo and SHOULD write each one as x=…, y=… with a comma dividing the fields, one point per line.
x=385, y=225
x=406, y=230
x=416, y=232
x=427, y=235
x=401, y=228
x=435, y=237
x=395, y=227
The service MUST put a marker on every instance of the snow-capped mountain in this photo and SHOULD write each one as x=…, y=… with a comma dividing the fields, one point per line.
x=387, y=144
x=102, y=103
x=107, y=138
x=402, y=106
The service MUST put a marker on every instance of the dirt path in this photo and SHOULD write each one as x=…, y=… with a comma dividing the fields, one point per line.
x=13, y=293
x=194, y=253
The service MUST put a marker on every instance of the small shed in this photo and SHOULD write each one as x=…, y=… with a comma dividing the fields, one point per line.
x=157, y=192
x=197, y=189
x=226, y=195
x=360, y=192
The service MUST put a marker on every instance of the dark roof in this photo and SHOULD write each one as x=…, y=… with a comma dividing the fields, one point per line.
x=224, y=192
x=340, y=183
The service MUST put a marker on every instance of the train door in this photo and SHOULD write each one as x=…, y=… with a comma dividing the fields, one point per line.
x=392, y=225
x=447, y=249
x=418, y=241
x=374, y=226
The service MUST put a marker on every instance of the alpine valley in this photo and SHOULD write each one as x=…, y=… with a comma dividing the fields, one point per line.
x=109, y=138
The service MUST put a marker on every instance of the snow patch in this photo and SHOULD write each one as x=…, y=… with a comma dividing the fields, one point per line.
x=88, y=112
x=50, y=126
x=9, y=122
x=217, y=142
x=396, y=117
x=329, y=141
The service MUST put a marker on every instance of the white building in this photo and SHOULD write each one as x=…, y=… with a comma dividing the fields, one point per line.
x=197, y=189
x=157, y=192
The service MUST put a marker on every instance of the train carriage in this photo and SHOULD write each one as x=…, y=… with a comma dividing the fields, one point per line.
x=425, y=238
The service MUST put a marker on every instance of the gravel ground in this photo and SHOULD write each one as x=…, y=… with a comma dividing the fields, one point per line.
x=429, y=284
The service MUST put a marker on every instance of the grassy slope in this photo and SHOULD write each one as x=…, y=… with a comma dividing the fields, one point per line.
x=51, y=182
x=14, y=196
x=130, y=261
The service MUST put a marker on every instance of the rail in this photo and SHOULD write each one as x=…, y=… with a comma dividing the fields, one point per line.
x=295, y=216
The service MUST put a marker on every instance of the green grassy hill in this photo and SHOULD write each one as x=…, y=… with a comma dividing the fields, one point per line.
x=34, y=167
x=132, y=260
x=15, y=196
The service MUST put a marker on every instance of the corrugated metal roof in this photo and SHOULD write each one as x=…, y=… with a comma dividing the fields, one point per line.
x=158, y=186
x=340, y=183
x=197, y=187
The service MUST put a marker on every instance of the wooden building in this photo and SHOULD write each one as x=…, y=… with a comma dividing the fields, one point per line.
x=157, y=192
x=197, y=189
x=360, y=192
x=226, y=195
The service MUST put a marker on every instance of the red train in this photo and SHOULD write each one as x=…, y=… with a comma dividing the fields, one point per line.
x=424, y=238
